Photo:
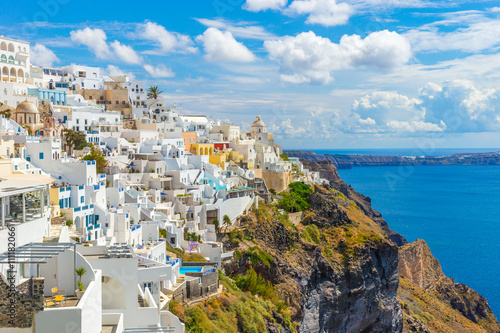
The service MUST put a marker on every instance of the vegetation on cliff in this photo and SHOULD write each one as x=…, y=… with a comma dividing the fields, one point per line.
x=335, y=269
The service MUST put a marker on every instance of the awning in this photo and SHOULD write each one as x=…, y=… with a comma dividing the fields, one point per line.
x=34, y=253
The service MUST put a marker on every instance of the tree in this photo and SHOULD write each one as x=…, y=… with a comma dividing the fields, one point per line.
x=75, y=139
x=7, y=113
x=227, y=221
x=154, y=92
x=216, y=224
x=95, y=155
x=80, y=271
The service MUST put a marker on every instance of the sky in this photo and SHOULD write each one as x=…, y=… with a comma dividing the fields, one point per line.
x=323, y=74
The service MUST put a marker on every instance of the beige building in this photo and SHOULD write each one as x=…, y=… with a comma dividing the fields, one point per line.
x=114, y=97
x=229, y=131
x=27, y=114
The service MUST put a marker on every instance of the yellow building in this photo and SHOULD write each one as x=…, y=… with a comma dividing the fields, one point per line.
x=223, y=157
x=202, y=148
x=218, y=160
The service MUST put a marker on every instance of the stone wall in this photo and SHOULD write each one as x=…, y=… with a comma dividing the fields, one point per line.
x=193, y=289
x=277, y=180
x=19, y=306
x=180, y=294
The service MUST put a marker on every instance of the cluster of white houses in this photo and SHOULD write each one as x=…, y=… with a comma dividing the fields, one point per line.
x=170, y=177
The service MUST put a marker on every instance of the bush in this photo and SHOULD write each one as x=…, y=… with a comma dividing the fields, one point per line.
x=297, y=199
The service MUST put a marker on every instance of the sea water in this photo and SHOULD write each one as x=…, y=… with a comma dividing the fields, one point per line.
x=455, y=209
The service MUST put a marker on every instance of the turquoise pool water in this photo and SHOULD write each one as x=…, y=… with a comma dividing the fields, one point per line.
x=185, y=269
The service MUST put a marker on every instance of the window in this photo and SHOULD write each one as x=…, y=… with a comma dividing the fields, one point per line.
x=85, y=121
x=90, y=97
x=101, y=98
x=82, y=199
x=40, y=156
x=148, y=285
x=123, y=102
x=78, y=121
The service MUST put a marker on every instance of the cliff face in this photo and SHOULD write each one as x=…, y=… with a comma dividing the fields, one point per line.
x=448, y=305
x=336, y=269
x=349, y=161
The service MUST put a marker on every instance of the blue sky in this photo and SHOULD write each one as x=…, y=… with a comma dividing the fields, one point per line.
x=321, y=73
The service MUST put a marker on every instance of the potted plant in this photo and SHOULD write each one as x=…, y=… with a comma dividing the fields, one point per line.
x=80, y=271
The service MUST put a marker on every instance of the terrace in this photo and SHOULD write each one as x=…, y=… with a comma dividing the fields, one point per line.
x=24, y=198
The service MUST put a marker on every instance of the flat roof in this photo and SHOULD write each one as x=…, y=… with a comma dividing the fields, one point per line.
x=14, y=40
x=21, y=183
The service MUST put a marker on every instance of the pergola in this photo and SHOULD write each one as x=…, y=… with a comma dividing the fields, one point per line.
x=37, y=253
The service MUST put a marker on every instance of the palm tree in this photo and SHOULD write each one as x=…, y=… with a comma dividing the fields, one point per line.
x=81, y=271
x=227, y=221
x=154, y=92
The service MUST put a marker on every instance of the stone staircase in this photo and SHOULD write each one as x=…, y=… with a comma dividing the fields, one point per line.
x=178, y=283
x=140, y=300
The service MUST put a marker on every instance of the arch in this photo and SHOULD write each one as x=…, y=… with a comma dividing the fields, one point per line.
x=3, y=46
x=206, y=150
x=78, y=222
x=3, y=58
x=211, y=151
x=13, y=75
x=114, y=295
x=11, y=47
x=11, y=60
x=20, y=73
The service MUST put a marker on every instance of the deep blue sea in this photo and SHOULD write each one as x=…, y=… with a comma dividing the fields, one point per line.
x=403, y=151
x=455, y=209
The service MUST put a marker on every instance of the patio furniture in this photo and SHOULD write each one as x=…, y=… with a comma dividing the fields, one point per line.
x=58, y=292
x=48, y=302
x=59, y=299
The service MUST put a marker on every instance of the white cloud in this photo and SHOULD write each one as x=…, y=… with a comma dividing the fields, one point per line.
x=259, y=5
x=113, y=70
x=310, y=58
x=160, y=71
x=462, y=106
x=241, y=29
x=126, y=53
x=414, y=126
x=167, y=42
x=94, y=39
x=324, y=12
x=457, y=106
x=42, y=56
x=384, y=106
x=467, y=31
x=476, y=37
x=222, y=47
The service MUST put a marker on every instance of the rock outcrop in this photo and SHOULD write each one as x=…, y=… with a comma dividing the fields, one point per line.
x=350, y=161
x=421, y=270
x=345, y=280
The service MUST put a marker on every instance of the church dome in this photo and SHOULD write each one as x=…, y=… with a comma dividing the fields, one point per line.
x=26, y=107
x=258, y=122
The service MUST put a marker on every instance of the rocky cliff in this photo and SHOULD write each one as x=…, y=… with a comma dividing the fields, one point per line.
x=435, y=303
x=349, y=161
x=338, y=269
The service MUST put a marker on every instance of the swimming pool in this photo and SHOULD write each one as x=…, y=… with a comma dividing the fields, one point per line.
x=185, y=269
